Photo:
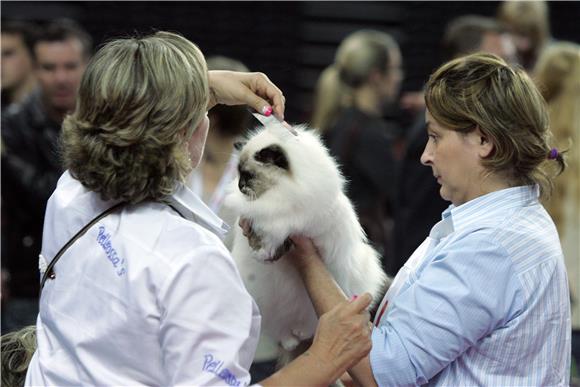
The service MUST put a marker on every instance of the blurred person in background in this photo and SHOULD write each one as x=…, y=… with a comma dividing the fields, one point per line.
x=18, y=77
x=557, y=74
x=465, y=35
x=473, y=33
x=30, y=161
x=349, y=105
x=418, y=203
x=529, y=24
x=18, y=80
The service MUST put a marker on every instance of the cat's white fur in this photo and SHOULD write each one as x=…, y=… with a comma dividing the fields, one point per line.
x=309, y=200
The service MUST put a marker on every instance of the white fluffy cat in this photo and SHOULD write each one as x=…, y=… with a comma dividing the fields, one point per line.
x=291, y=185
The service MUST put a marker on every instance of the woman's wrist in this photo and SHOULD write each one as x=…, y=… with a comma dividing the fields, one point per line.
x=304, y=255
x=327, y=369
x=213, y=99
x=305, y=263
x=308, y=369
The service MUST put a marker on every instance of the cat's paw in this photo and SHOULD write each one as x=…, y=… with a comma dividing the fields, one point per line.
x=282, y=249
x=300, y=335
x=261, y=255
x=254, y=240
x=289, y=343
x=268, y=253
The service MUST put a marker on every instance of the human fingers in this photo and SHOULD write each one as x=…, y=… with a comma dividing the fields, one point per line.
x=303, y=245
x=343, y=338
x=359, y=303
x=267, y=94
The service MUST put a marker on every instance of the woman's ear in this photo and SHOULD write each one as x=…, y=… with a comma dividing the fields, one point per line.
x=486, y=146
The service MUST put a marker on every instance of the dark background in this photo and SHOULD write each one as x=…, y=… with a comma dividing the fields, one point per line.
x=289, y=41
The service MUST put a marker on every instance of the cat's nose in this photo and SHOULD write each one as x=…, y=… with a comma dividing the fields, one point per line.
x=245, y=177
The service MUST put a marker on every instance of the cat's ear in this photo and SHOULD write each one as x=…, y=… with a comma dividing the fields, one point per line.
x=238, y=145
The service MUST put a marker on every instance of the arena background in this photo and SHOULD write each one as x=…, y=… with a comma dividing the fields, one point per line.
x=289, y=41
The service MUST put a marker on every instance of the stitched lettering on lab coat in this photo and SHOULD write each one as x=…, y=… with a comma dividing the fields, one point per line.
x=104, y=239
x=214, y=366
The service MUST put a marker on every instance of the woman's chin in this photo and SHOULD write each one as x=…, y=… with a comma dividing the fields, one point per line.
x=444, y=194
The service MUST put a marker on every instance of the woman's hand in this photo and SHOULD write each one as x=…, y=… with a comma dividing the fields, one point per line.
x=303, y=254
x=252, y=89
x=343, y=336
x=342, y=339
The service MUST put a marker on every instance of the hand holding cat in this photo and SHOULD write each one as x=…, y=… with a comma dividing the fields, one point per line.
x=303, y=253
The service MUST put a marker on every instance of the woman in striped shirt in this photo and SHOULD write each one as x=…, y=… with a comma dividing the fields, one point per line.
x=484, y=300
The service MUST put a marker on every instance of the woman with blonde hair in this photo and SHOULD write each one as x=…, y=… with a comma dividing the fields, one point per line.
x=365, y=74
x=352, y=93
x=144, y=291
x=557, y=75
x=484, y=300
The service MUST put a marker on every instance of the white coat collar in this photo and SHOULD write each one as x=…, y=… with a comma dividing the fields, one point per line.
x=192, y=208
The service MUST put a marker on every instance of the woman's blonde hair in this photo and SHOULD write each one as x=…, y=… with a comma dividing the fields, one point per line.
x=17, y=350
x=358, y=55
x=557, y=75
x=483, y=91
x=139, y=101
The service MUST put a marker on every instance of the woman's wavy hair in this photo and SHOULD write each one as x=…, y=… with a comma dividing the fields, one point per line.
x=139, y=101
x=483, y=91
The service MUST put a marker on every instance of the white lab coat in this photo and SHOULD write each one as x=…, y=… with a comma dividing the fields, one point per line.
x=144, y=297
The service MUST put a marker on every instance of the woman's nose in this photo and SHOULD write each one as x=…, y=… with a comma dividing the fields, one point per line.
x=426, y=158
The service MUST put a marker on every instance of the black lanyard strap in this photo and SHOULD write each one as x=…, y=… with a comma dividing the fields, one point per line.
x=49, y=273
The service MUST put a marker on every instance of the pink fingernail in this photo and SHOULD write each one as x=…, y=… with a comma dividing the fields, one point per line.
x=353, y=298
x=267, y=110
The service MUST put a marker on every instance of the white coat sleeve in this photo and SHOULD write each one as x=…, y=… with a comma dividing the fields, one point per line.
x=208, y=322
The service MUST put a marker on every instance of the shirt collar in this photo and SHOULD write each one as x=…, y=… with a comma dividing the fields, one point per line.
x=490, y=205
x=192, y=208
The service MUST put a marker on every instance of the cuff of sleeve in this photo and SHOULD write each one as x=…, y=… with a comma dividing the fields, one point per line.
x=389, y=359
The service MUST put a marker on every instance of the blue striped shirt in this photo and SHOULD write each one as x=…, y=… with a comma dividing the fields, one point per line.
x=487, y=306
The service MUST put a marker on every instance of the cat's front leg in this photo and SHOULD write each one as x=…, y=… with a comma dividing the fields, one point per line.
x=271, y=252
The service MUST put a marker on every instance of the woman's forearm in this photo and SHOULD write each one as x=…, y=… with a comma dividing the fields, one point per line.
x=342, y=338
x=306, y=370
x=326, y=294
x=321, y=286
x=362, y=373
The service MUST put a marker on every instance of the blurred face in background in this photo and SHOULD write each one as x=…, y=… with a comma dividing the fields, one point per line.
x=59, y=68
x=16, y=61
x=393, y=77
x=501, y=45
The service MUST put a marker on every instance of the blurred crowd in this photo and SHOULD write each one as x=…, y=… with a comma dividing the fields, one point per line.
x=397, y=199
